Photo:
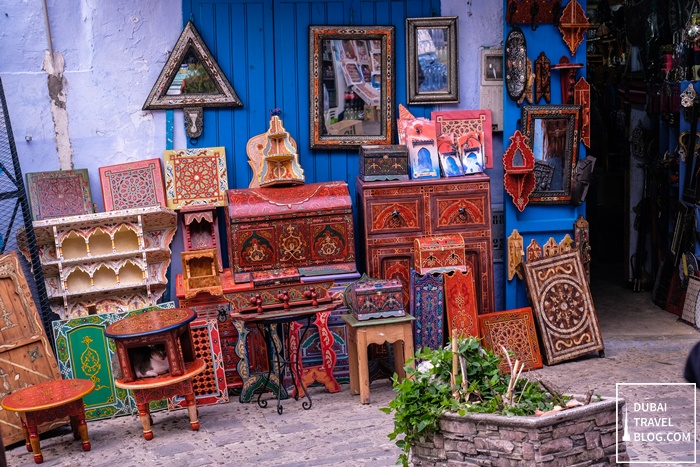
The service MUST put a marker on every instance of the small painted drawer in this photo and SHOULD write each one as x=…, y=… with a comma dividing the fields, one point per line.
x=442, y=253
x=383, y=162
x=452, y=213
x=374, y=298
x=395, y=217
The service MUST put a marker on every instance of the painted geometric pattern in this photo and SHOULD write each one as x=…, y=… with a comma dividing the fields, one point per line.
x=133, y=185
x=514, y=330
x=209, y=386
x=427, y=306
x=461, y=303
x=563, y=307
x=195, y=177
x=83, y=352
x=60, y=193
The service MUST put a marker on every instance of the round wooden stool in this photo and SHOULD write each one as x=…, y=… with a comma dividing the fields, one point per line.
x=49, y=401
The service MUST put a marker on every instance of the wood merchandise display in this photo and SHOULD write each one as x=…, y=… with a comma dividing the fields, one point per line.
x=394, y=213
x=24, y=349
x=109, y=261
x=308, y=227
x=427, y=306
x=513, y=330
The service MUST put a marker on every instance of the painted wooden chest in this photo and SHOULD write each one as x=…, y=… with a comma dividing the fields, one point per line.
x=383, y=162
x=394, y=213
x=308, y=227
x=374, y=298
x=441, y=253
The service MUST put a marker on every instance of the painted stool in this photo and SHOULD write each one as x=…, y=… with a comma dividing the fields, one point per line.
x=171, y=328
x=397, y=331
x=161, y=387
x=47, y=401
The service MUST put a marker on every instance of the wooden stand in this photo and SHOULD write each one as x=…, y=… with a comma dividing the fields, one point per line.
x=396, y=331
x=168, y=327
x=51, y=400
x=161, y=387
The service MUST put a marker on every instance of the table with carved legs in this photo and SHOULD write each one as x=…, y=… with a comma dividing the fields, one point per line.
x=47, y=401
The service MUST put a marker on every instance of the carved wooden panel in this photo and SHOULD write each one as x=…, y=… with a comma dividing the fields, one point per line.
x=427, y=306
x=60, y=193
x=534, y=250
x=26, y=358
x=515, y=253
x=542, y=79
x=395, y=216
x=518, y=165
x=582, y=97
x=566, y=244
x=573, y=25
x=690, y=307
x=461, y=303
x=529, y=84
x=133, y=185
x=551, y=248
x=563, y=307
x=195, y=176
x=514, y=330
x=582, y=244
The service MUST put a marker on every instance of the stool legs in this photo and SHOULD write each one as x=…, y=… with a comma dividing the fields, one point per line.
x=363, y=366
x=352, y=360
x=192, y=409
x=80, y=430
x=26, y=437
x=34, y=441
x=145, y=417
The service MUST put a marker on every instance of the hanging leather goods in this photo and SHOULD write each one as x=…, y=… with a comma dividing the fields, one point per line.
x=567, y=78
x=582, y=97
x=516, y=61
x=529, y=83
x=542, y=79
x=573, y=25
x=533, y=12
x=518, y=165
x=582, y=180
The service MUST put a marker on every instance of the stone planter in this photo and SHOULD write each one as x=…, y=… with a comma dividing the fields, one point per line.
x=582, y=436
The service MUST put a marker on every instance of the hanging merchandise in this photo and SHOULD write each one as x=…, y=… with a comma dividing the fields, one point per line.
x=542, y=79
x=516, y=61
x=573, y=25
x=515, y=254
x=519, y=176
x=533, y=12
x=582, y=98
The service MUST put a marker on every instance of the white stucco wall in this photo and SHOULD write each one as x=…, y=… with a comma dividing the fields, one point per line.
x=113, y=53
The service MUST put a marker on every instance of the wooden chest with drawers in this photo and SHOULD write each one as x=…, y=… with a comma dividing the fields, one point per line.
x=394, y=213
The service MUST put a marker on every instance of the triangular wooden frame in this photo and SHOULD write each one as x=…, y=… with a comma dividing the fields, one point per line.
x=190, y=39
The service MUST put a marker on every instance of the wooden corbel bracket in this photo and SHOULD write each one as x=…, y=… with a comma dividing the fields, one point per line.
x=573, y=25
x=519, y=165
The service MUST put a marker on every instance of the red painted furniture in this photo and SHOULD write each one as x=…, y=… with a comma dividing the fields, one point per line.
x=47, y=401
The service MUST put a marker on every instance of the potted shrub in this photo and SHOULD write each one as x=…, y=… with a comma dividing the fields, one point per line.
x=457, y=407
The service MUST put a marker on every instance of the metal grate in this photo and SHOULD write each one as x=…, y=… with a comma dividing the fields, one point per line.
x=15, y=217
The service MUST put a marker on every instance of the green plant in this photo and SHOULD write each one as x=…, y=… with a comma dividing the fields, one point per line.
x=427, y=392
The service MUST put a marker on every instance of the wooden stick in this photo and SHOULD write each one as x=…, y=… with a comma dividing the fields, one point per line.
x=455, y=357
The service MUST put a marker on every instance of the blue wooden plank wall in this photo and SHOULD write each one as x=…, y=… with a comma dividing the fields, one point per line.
x=262, y=47
x=541, y=221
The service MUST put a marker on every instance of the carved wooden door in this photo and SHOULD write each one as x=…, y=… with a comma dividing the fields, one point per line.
x=26, y=357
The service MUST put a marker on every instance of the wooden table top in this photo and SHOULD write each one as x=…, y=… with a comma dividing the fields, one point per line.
x=150, y=322
x=283, y=316
x=355, y=323
x=47, y=395
x=191, y=369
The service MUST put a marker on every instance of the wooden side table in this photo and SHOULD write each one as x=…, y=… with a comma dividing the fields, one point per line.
x=169, y=327
x=397, y=331
x=161, y=387
x=51, y=400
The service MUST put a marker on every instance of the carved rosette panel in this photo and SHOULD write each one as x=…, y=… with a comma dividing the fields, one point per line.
x=513, y=330
x=563, y=307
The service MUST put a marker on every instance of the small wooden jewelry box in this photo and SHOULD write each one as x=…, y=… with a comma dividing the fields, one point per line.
x=443, y=253
x=383, y=162
x=374, y=298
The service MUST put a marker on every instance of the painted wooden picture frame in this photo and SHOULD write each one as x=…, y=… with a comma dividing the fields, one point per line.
x=427, y=306
x=195, y=177
x=133, y=185
x=432, y=69
x=59, y=193
x=467, y=126
x=360, y=58
x=552, y=133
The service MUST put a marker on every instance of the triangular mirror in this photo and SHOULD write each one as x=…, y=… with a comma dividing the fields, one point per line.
x=191, y=78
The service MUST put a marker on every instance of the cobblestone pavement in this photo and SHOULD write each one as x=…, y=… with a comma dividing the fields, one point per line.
x=642, y=344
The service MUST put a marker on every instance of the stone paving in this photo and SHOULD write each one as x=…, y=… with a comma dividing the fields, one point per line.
x=643, y=344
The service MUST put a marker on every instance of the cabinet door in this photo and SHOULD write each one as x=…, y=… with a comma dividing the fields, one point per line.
x=460, y=212
x=393, y=263
x=26, y=357
x=478, y=257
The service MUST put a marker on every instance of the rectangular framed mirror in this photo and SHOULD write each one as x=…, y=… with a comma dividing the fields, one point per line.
x=351, y=98
x=431, y=45
x=553, y=134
